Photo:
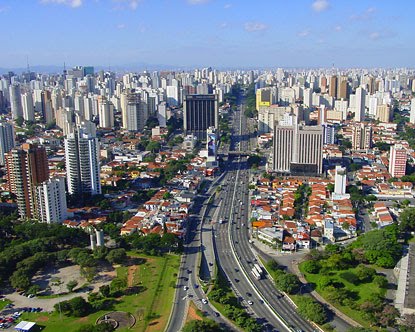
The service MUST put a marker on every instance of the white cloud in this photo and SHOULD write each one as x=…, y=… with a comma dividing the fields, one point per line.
x=197, y=2
x=70, y=3
x=121, y=26
x=304, y=33
x=320, y=5
x=366, y=15
x=338, y=28
x=223, y=25
x=227, y=6
x=255, y=26
x=374, y=35
x=126, y=4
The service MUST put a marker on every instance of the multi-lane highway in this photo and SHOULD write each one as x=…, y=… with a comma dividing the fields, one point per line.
x=234, y=250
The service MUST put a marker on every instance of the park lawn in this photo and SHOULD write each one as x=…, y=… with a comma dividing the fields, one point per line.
x=157, y=275
x=3, y=303
x=363, y=291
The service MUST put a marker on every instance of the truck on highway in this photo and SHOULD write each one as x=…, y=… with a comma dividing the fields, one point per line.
x=257, y=272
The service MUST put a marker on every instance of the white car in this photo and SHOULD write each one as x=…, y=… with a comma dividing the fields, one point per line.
x=185, y=288
x=250, y=302
x=204, y=301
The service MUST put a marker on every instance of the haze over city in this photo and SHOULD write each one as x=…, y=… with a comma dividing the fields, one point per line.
x=220, y=33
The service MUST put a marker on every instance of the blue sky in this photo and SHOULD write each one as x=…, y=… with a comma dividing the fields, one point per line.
x=218, y=33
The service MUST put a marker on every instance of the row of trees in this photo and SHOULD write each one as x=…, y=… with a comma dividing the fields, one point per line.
x=285, y=282
x=223, y=294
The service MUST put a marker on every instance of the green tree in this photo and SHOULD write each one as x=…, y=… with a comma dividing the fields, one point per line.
x=116, y=256
x=288, y=283
x=311, y=310
x=311, y=267
x=71, y=285
x=153, y=146
x=364, y=273
x=19, y=121
x=407, y=220
x=201, y=326
x=20, y=279
x=380, y=281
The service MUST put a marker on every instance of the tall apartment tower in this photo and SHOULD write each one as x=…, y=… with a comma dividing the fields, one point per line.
x=397, y=161
x=412, y=114
x=343, y=88
x=361, y=137
x=26, y=168
x=82, y=162
x=106, y=113
x=298, y=149
x=27, y=105
x=360, y=98
x=340, y=180
x=51, y=201
x=199, y=113
x=136, y=112
x=333, y=87
x=15, y=101
x=6, y=140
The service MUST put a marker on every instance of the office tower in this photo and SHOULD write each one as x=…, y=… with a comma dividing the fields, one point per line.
x=199, y=113
x=266, y=96
x=412, y=114
x=359, y=115
x=136, y=112
x=298, y=149
x=6, y=140
x=333, y=87
x=323, y=84
x=27, y=105
x=329, y=133
x=161, y=114
x=340, y=180
x=383, y=113
x=397, y=161
x=361, y=136
x=82, y=163
x=26, y=168
x=308, y=98
x=47, y=109
x=106, y=113
x=15, y=101
x=343, y=89
x=267, y=115
x=283, y=147
x=172, y=95
x=51, y=201
x=211, y=147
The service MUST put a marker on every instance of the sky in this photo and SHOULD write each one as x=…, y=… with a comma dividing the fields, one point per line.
x=217, y=33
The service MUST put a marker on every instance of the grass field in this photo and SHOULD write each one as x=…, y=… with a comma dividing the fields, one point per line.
x=363, y=291
x=150, y=307
x=3, y=303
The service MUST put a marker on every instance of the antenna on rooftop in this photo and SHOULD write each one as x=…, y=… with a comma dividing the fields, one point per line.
x=27, y=62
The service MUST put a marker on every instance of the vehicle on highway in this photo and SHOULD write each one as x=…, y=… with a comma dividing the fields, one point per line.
x=250, y=302
x=204, y=301
x=216, y=313
x=185, y=288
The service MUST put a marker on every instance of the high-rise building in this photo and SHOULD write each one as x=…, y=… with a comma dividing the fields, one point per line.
x=136, y=112
x=15, y=101
x=412, y=114
x=397, y=161
x=343, y=88
x=48, y=112
x=360, y=105
x=266, y=97
x=361, y=136
x=298, y=149
x=26, y=168
x=199, y=113
x=383, y=113
x=82, y=162
x=329, y=133
x=51, y=201
x=333, y=87
x=6, y=140
x=340, y=180
x=106, y=113
x=162, y=114
x=267, y=115
x=27, y=105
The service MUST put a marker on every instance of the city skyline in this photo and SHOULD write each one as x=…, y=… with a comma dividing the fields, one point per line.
x=191, y=33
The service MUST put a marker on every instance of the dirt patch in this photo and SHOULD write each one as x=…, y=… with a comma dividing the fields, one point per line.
x=42, y=319
x=192, y=313
x=82, y=320
x=130, y=275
